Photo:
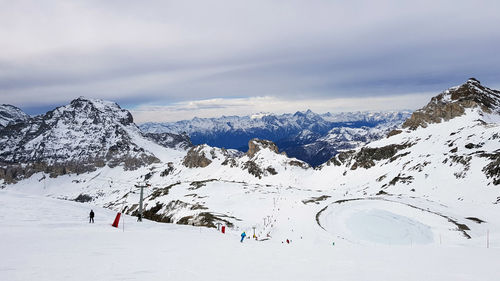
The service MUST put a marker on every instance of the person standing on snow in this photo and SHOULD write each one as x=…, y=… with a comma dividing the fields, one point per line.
x=91, y=216
x=243, y=236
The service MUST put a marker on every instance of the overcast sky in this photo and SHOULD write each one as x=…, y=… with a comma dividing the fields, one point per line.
x=172, y=60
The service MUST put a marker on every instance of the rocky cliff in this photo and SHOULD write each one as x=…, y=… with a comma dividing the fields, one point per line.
x=453, y=102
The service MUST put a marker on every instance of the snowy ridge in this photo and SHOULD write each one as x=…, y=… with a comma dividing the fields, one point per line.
x=10, y=115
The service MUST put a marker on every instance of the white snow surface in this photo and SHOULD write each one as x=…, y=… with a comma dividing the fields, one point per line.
x=49, y=239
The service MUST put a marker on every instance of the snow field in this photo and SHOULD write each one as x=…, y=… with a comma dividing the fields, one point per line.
x=49, y=239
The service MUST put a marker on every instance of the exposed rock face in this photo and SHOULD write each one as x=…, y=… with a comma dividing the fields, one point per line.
x=393, y=133
x=366, y=157
x=160, y=208
x=453, y=102
x=75, y=138
x=255, y=145
x=253, y=169
x=195, y=157
x=170, y=140
x=301, y=164
x=492, y=170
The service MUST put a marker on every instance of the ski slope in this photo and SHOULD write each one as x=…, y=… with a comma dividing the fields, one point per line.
x=49, y=239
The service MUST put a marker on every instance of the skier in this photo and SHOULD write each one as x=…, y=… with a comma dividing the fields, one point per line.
x=91, y=216
x=243, y=236
x=139, y=217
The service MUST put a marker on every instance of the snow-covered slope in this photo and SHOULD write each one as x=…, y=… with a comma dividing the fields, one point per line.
x=49, y=239
x=10, y=115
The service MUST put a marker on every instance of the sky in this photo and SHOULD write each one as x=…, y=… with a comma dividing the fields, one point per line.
x=174, y=60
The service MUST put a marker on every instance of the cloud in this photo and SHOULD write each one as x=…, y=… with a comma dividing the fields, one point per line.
x=165, y=52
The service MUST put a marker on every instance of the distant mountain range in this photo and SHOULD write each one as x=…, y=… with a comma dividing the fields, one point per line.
x=308, y=136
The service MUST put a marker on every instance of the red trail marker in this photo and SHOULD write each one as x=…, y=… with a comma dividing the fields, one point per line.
x=117, y=220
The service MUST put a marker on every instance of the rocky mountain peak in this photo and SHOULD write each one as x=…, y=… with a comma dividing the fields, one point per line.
x=75, y=138
x=10, y=114
x=452, y=103
x=255, y=145
x=97, y=110
x=473, y=91
x=473, y=80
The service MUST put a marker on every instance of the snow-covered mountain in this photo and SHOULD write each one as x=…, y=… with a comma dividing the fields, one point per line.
x=79, y=137
x=456, y=136
x=434, y=179
x=10, y=115
x=303, y=135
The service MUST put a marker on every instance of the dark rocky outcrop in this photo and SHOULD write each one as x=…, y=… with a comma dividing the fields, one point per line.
x=170, y=140
x=195, y=158
x=253, y=169
x=170, y=168
x=297, y=163
x=367, y=156
x=165, y=212
x=393, y=133
x=492, y=169
x=83, y=198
